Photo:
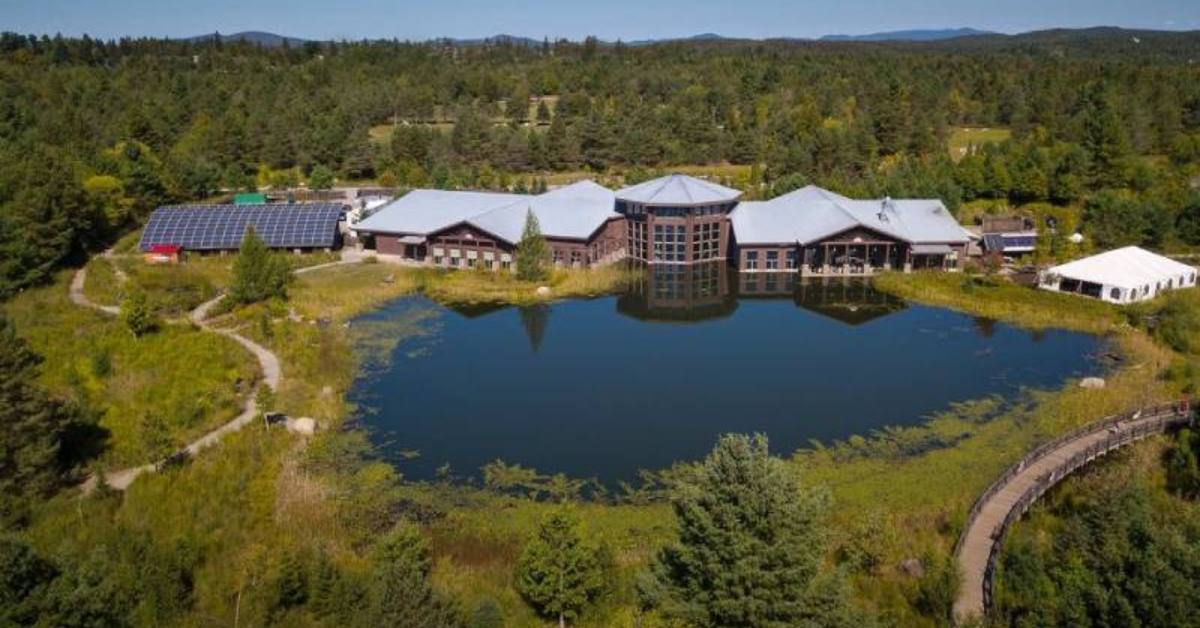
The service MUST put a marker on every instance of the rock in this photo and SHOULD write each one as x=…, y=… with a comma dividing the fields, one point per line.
x=913, y=567
x=543, y=291
x=1091, y=382
x=303, y=425
x=389, y=279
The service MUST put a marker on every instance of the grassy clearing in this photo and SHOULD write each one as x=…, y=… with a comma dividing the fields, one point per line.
x=962, y=138
x=341, y=292
x=1001, y=300
x=478, y=287
x=102, y=285
x=152, y=393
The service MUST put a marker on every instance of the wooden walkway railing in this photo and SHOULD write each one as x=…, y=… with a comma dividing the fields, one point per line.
x=1011, y=495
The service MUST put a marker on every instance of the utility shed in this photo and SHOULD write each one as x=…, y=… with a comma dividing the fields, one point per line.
x=249, y=198
x=1124, y=275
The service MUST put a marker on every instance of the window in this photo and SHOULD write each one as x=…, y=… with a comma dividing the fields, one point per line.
x=635, y=231
x=706, y=240
x=558, y=257
x=751, y=260
x=1115, y=294
x=576, y=257
x=470, y=262
x=772, y=260
x=792, y=259
x=670, y=243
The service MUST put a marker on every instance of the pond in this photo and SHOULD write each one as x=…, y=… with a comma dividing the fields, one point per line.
x=604, y=387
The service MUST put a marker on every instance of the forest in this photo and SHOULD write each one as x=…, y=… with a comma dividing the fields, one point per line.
x=1099, y=129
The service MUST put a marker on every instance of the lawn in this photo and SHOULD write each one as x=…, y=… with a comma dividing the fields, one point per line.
x=963, y=137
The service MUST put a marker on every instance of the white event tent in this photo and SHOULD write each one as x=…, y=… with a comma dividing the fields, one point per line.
x=1124, y=275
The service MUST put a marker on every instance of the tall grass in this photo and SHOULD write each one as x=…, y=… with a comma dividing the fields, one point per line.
x=152, y=393
x=1002, y=300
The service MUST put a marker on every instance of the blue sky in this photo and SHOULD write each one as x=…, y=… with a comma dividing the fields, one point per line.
x=607, y=19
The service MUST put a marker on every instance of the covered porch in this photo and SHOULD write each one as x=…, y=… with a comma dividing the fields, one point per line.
x=865, y=258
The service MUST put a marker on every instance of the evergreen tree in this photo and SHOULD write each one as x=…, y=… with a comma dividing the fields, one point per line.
x=258, y=274
x=1104, y=139
x=32, y=427
x=486, y=615
x=532, y=251
x=750, y=546
x=557, y=572
x=402, y=594
x=1183, y=465
x=24, y=578
x=136, y=313
x=290, y=584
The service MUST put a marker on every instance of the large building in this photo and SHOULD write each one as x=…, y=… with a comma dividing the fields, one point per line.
x=673, y=220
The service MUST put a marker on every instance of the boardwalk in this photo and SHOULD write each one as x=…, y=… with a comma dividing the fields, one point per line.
x=1022, y=484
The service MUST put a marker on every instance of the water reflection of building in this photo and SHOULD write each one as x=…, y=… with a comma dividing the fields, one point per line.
x=850, y=301
x=668, y=292
x=709, y=291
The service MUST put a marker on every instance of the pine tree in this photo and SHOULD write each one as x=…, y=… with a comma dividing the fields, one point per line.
x=24, y=578
x=531, y=251
x=1183, y=465
x=1104, y=139
x=402, y=595
x=750, y=546
x=557, y=572
x=290, y=584
x=32, y=426
x=258, y=274
x=487, y=615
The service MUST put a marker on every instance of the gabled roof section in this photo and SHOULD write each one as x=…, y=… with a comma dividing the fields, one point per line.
x=574, y=211
x=810, y=214
x=677, y=189
x=1128, y=267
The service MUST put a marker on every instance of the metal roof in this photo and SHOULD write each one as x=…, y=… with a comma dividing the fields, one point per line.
x=810, y=214
x=574, y=211
x=221, y=227
x=677, y=189
x=1128, y=267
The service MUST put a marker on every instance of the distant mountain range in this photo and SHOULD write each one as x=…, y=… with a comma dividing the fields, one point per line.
x=971, y=35
x=911, y=35
x=269, y=40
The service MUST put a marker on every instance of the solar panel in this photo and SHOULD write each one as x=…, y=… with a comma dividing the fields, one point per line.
x=993, y=242
x=222, y=227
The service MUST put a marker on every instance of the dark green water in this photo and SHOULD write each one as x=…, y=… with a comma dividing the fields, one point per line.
x=604, y=387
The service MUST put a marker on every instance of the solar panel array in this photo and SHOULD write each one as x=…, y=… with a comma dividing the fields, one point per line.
x=220, y=227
